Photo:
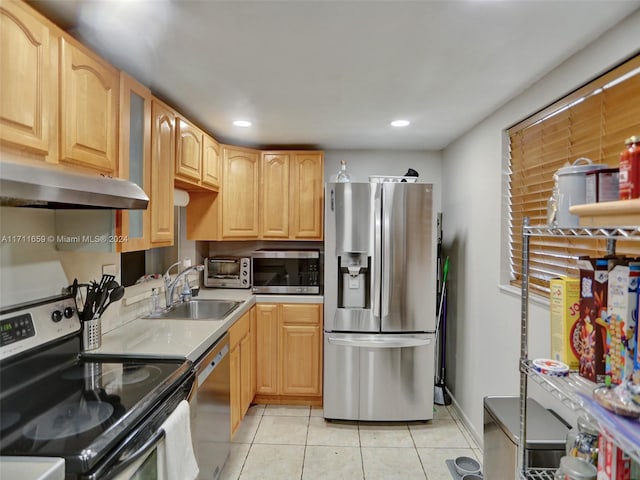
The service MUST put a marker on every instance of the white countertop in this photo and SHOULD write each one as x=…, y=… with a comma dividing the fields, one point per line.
x=31, y=468
x=185, y=338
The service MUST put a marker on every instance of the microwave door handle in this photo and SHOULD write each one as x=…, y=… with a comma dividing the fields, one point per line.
x=114, y=465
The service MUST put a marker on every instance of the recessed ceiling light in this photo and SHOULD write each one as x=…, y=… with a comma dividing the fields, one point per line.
x=400, y=123
x=242, y=123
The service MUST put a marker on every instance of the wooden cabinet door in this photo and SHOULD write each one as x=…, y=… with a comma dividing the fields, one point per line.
x=236, y=406
x=134, y=160
x=88, y=109
x=28, y=80
x=211, y=163
x=300, y=349
x=240, y=193
x=307, y=195
x=246, y=358
x=162, y=161
x=267, y=349
x=254, y=337
x=188, y=152
x=275, y=196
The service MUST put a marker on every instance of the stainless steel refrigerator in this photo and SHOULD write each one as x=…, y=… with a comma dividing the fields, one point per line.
x=380, y=301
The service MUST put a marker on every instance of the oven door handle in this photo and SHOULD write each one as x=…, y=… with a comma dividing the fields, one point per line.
x=109, y=470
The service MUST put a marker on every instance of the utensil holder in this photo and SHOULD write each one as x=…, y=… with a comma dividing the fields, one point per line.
x=92, y=334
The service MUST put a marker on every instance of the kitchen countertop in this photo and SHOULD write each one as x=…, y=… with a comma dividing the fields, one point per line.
x=31, y=468
x=186, y=338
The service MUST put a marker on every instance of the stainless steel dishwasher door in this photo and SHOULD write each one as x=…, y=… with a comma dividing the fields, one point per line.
x=211, y=411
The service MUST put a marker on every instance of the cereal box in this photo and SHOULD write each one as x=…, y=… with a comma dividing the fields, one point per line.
x=564, y=299
x=622, y=319
x=592, y=325
x=613, y=463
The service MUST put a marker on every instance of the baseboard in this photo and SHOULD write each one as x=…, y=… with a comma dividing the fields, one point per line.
x=288, y=400
x=478, y=437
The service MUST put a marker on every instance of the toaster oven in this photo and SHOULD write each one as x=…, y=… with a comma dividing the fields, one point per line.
x=227, y=272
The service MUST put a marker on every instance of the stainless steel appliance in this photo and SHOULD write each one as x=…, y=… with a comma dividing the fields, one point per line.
x=380, y=301
x=102, y=414
x=227, y=272
x=211, y=410
x=286, y=271
x=546, y=436
x=23, y=185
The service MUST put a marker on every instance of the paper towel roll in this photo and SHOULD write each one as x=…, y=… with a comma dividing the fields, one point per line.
x=180, y=198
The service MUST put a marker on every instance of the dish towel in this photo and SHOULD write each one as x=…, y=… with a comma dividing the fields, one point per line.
x=180, y=460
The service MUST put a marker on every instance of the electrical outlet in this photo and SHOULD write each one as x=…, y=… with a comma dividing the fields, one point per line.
x=109, y=269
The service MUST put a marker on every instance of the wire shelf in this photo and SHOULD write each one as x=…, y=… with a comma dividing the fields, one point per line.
x=538, y=474
x=577, y=393
x=614, y=233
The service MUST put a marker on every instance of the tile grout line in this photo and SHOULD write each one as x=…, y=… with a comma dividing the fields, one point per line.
x=415, y=447
x=250, y=445
x=306, y=441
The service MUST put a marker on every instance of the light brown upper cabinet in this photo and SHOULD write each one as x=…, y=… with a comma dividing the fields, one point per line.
x=292, y=195
x=306, y=196
x=210, y=163
x=162, y=164
x=197, y=158
x=28, y=80
x=188, y=153
x=275, y=195
x=240, y=193
x=272, y=195
x=135, y=160
x=88, y=109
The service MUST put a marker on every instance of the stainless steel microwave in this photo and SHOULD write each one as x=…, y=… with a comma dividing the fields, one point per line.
x=227, y=272
x=286, y=271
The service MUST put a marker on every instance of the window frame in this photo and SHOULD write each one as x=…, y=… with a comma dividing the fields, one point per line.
x=510, y=266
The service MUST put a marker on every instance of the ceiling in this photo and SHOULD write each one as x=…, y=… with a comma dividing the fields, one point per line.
x=333, y=74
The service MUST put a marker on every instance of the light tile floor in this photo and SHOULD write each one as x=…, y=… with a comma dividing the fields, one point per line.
x=293, y=442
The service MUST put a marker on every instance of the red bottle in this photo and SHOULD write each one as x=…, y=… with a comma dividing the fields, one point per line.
x=630, y=169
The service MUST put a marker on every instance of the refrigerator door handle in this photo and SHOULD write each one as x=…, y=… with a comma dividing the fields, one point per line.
x=376, y=225
x=386, y=248
x=385, y=342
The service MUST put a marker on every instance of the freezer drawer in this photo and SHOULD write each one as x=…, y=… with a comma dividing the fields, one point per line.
x=378, y=377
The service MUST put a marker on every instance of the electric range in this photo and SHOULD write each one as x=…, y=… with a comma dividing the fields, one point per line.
x=96, y=412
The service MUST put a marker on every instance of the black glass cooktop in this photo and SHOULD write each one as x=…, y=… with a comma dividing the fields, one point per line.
x=62, y=410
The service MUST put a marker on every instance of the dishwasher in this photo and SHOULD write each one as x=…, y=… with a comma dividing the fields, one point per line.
x=211, y=410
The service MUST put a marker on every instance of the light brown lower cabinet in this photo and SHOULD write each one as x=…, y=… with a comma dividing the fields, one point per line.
x=242, y=366
x=289, y=353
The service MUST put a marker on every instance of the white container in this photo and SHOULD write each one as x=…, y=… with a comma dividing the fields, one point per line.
x=572, y=189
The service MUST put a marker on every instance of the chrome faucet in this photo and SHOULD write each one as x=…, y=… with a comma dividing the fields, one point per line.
x=170, y=286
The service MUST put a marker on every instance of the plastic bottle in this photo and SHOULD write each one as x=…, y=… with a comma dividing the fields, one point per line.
x=343, y=176
x=583, y=441
x=155, y=301
x=630, y=169
x=572, y=468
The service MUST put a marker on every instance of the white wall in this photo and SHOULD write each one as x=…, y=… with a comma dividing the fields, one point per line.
x=484, y=320
x=362, y=163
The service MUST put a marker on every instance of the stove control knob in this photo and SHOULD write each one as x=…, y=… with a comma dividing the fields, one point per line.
x=56, y=316
x=68, y=312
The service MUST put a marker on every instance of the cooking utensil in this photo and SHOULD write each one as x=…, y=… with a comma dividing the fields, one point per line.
x=114, y=295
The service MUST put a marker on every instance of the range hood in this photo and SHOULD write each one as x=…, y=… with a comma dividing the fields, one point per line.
x=24, y=185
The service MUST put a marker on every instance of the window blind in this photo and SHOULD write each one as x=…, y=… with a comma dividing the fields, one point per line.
x=593, y=122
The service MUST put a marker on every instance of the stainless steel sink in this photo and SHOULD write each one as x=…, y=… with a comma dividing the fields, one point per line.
x=199, y=310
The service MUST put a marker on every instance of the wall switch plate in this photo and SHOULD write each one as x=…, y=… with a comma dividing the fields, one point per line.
x=109, y=269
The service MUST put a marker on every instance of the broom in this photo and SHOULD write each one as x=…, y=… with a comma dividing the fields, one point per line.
x=440, y=394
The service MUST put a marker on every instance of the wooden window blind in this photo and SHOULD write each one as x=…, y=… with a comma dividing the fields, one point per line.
x=593, y=122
